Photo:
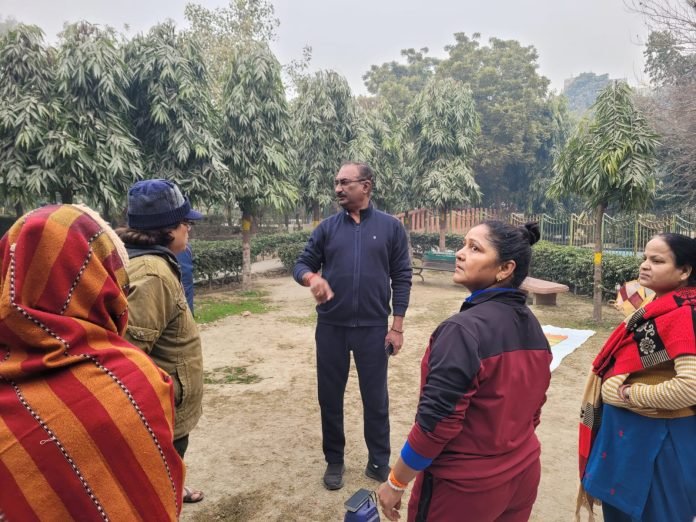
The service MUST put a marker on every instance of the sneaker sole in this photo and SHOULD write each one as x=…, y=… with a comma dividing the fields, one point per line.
x=334, y=487
x=374, y=477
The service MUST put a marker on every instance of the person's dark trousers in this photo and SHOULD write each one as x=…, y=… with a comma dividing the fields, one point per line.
x=334, y=344
x=181, y=444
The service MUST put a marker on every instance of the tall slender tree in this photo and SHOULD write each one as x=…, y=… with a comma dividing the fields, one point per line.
x=443, y=125
x=173, y=116
x=324, y=117
x=256, y=132
x=379, y=142
x=219, y=30
x=92, y=148
x=28, y=111
x=609, y=160
x=71, y=114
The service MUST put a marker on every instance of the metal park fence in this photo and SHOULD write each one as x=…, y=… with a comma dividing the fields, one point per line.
x=624, y=235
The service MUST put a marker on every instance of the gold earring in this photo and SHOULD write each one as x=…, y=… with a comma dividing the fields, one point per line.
x=498, y=278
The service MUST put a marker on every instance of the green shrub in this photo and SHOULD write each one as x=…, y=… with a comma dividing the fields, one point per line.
x=563, y=264
x=217, y=259
x=573, y=266
x=223, y=259
x=288, y=254
x=422, y=242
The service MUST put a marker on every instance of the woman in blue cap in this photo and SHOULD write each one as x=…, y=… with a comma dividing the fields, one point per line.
x=160, y=322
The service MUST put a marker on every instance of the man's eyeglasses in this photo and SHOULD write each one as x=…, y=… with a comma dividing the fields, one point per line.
x=187, y=224
x=344, y=182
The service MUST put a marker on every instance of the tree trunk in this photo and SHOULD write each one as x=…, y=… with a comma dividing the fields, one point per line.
x=256, y=222
x=298, y=223
x=66, y=196
x=316, y=214
x=246, y=249
x=442, y=220
x=228, y=213
x=597, y=284
x=286, y=221
x=407, y=226
x=19, y=209
x=106, y=214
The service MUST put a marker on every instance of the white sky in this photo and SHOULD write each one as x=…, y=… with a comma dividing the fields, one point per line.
x=571, y=36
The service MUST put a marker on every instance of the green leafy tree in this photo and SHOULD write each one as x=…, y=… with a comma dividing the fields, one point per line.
x=28, y=111
x=256, y=131
x=443, y=125
x=675, y=19
x=7, y=23
x=609, y=160
x=92, y=149
x=84, y=147
x=379, y=142
x=241, y=22
x=517, y=114
x=666, y=61
x=217, y=31
x=324, y=119
x=670, y=107
x=511, y=100
x=399, y=83
x=552, y=137
x=173, y=116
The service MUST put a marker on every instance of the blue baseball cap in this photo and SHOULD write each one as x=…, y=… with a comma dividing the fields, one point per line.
x=158, y=203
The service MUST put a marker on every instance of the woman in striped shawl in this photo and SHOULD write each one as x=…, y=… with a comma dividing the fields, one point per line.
x=85, y=418
x=638, y=420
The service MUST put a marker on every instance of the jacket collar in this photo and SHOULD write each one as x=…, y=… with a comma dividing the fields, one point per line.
x=511, y=296
x=155, y=250
x=364, y=213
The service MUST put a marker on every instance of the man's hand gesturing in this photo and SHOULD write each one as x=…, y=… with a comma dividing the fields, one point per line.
x=320, y=288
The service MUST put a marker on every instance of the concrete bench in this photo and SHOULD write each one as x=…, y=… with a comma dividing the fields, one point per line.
x=543, y=292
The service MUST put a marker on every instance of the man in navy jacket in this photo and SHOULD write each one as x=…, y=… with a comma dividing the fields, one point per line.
x=363, y=257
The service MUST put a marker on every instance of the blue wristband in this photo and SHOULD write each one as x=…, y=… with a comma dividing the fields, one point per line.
x=413, y=460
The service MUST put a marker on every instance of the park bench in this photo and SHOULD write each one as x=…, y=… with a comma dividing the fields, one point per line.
x=542, y=292
x=438, y=261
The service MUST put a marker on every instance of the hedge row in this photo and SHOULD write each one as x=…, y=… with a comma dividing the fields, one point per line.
x=572, y=266
x=223, y=259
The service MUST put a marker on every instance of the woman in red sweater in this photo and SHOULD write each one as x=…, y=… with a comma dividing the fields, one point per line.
x=484, y=376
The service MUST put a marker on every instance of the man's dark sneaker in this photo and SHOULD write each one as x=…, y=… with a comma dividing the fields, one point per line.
x=378, y=473
x=333, y=476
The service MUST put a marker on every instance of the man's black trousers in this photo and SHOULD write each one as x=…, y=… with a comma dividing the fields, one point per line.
x=334, y=344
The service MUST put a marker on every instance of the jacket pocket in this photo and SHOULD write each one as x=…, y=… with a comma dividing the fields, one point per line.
x=182, y=386
x=143, y=338
x=181, y=318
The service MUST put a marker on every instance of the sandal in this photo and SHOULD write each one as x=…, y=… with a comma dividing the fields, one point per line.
x=192, y=495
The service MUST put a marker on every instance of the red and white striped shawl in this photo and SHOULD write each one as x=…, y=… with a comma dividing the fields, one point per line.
x=85, y=418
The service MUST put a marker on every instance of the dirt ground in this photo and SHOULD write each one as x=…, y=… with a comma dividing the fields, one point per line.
x=256, y=452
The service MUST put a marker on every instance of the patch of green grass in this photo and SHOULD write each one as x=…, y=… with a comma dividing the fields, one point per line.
x=253, y=293
x=209, y=310
x=230, y=375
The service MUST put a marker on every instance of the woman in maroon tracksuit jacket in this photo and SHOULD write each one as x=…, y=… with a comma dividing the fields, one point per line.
x=484, y=377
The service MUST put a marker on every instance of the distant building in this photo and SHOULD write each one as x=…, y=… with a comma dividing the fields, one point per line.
x=581, y=91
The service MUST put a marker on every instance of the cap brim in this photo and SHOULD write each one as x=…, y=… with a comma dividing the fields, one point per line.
x=192, y=214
